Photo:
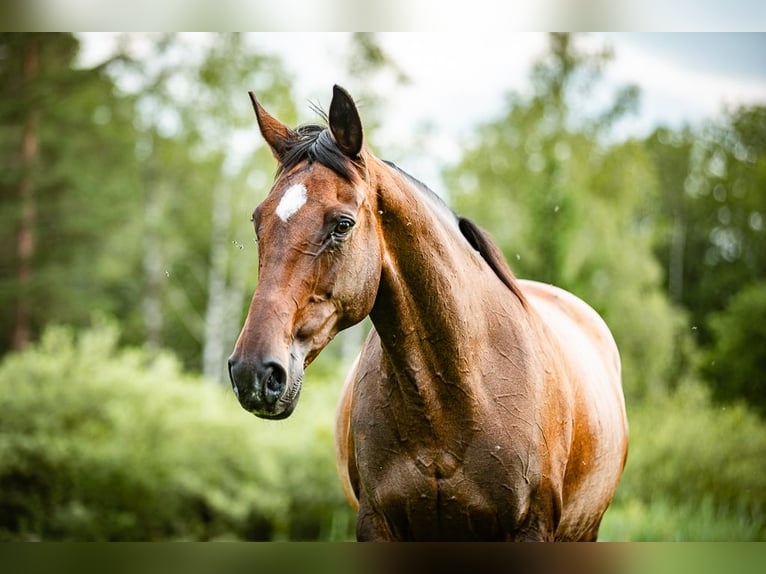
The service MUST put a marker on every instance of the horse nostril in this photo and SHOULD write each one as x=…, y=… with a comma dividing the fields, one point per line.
x=231, y=364
x=257, y=384
x=272, y=380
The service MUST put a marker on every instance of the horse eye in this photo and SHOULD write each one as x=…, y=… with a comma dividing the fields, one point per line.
x=343, y=227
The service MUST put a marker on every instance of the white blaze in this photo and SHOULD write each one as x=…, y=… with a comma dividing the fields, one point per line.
x=291, y=201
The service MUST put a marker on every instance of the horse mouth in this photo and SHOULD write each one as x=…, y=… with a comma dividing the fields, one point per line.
x=286, y=404
x=293, y=391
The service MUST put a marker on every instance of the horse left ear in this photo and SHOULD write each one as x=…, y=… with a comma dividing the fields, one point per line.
x=345, y=124
x=276, y=134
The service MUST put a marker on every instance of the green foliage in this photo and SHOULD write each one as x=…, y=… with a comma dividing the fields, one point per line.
x=136, y=160
x=736, y=362
x=98, y=443
x=662, y=521
x=710, y=236
x=202, y=171
x=711, y=224
x=83, y=178
x=695, y=471
x=610, y=265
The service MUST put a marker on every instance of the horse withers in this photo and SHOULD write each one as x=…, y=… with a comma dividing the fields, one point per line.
x=481, y=407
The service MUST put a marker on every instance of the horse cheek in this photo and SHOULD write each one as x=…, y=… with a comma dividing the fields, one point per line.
x=356, y=285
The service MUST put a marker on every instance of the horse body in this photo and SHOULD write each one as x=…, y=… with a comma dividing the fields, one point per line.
x=481, y=407
x=473, y=412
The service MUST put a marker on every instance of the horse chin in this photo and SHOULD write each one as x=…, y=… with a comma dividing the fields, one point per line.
x=277, y=414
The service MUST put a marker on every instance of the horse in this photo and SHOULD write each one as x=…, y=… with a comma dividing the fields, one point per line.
x=481, y=406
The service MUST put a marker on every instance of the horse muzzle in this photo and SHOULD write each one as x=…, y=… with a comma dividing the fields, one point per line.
x=266, y=387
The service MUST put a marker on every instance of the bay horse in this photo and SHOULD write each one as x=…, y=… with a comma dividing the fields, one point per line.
x=481, y=407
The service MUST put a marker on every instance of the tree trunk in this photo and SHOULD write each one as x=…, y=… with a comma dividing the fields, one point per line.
x=152, y=263
x=676, y=258
x=214, y=350
x=26, y=237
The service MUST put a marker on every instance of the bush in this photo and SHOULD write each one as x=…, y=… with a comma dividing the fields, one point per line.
x=98, y=443
x=695, y=471
x=736, y=364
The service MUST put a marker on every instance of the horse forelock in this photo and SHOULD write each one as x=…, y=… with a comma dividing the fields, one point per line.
x=310, y=143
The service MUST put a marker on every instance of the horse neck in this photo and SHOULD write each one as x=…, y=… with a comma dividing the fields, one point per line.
x=434, y=302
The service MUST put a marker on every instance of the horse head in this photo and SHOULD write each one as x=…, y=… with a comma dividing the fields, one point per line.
x=319, y=258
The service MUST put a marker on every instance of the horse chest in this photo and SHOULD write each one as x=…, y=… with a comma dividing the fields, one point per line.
x=432, y=494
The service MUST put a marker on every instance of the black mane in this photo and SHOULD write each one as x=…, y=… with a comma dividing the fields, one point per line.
x=315, y=143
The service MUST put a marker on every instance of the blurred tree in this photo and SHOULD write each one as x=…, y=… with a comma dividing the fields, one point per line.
x=134, y=181
x=569, y=208
x=670, y=151
x=25, y=242
x=712, y=190
x=200, y=166
x=736, y=362
x=66, y=144
x=711, y=235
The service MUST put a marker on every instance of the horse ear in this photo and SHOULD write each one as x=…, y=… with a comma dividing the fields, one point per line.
x=345, y=124
x=276, y=134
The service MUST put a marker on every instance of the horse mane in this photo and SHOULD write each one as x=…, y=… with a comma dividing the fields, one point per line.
x=482, y=242
x=479, y=239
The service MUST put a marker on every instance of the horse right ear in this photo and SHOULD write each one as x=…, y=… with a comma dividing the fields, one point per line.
x=276, y=134
x=345, y=124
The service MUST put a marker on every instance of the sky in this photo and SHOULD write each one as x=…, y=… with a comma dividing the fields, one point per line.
x=458, y=81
